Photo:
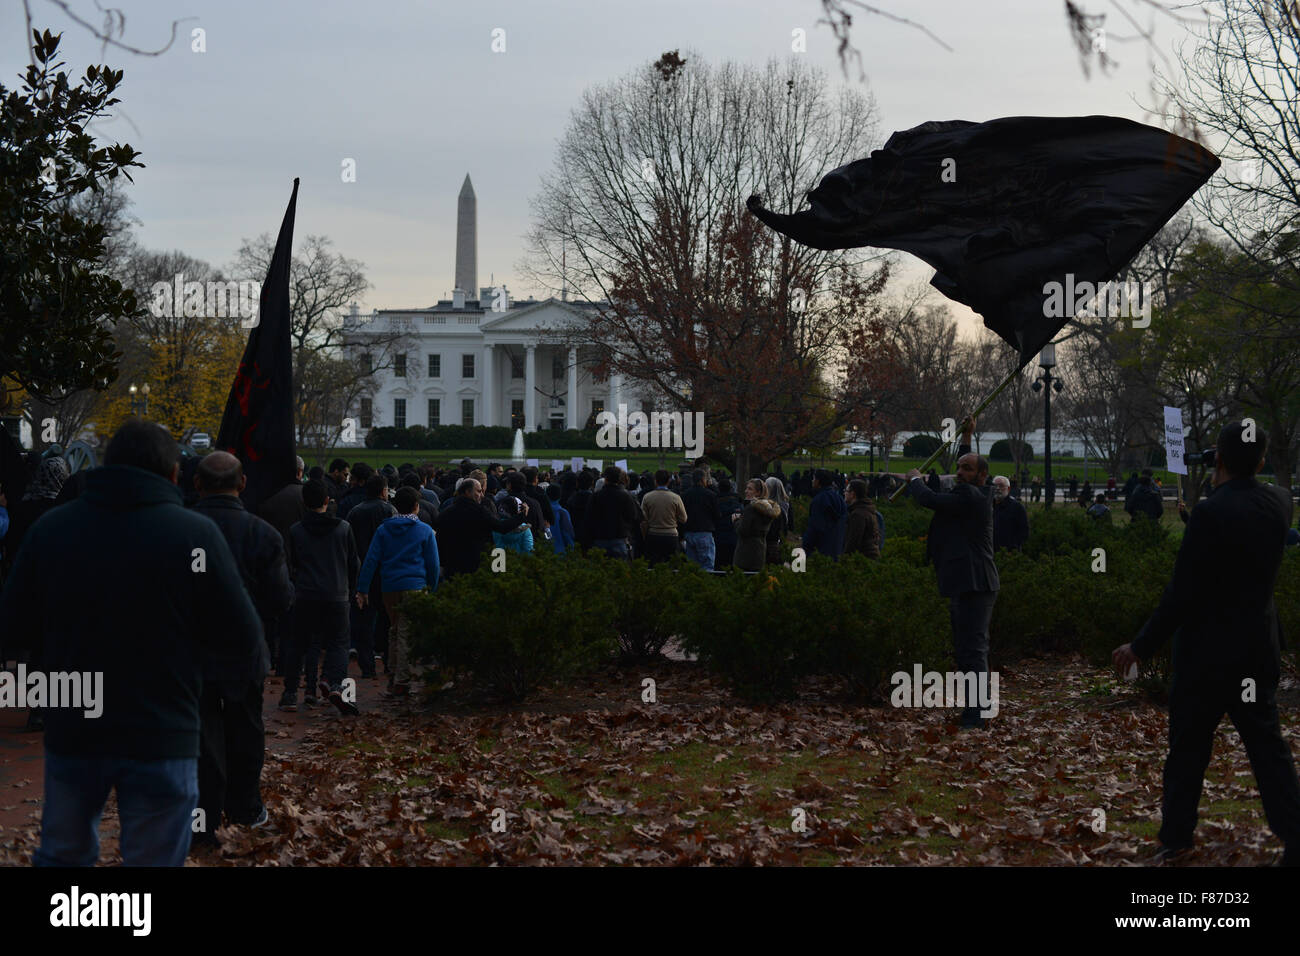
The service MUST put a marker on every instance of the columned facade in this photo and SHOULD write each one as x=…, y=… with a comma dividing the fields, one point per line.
x=467, y=363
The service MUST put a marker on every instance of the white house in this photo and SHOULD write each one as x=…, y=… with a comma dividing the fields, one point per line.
x=469, y=363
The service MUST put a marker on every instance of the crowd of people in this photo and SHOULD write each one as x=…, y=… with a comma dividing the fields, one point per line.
x=186, y=600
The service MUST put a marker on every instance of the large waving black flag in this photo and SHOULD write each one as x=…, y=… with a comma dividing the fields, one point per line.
x=258, y=424
x=1001, y=209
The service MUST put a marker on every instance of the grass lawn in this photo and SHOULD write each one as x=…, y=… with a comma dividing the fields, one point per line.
x=640, y=460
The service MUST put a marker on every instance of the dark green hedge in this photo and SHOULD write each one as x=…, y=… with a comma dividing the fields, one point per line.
x=547, y=618
x=1002, y=448
x=418, y=437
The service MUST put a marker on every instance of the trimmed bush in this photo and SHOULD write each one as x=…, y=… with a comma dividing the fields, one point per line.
x=545, y=618
x=649, y=603
x=1002, y=451
x=921, y=446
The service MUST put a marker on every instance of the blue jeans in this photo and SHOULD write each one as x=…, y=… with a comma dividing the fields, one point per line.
x=614, y=547
x=155, y=803
x=700, y=548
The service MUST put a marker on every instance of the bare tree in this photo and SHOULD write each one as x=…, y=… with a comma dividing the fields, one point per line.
x=702, y=307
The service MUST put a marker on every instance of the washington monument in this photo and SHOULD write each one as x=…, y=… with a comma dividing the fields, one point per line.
x=467, y=240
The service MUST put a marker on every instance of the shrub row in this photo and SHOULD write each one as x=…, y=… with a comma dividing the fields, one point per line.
x=418, y=437
x=548, y=618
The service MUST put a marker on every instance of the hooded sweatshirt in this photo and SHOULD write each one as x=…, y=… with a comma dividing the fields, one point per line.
x=323, y=557
x=406, y=552
x=112, y=584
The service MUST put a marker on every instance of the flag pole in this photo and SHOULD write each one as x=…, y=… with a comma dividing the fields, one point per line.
x=975, y=414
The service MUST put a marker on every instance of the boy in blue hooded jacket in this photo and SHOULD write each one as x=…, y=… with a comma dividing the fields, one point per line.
x=406, y=553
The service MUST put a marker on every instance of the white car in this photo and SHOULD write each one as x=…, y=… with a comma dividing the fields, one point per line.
x=201, y=440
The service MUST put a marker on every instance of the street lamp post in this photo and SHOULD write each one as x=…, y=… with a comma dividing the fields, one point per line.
x=1045, y=383
x=139, y=400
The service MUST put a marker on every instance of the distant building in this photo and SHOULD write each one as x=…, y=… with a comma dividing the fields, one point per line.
x=483, y=361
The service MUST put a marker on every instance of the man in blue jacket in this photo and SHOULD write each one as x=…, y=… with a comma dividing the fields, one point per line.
x=157, y=594
x=828, y=517
x=406, y=553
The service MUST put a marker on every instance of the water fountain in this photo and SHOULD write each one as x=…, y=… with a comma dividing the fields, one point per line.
x=517, y=449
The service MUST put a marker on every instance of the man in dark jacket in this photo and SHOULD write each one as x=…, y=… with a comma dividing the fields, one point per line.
x=702, y=517
x=960, y=544
x=611, y=517
x=1145, y=499
x=1130, y=484
x=336, y=482
x=827, y=518
x=1227, y=643
x=537, y=494
x=365, y=518
x=724, y=531
x=428, y=510
x=863, y=527
x=323, y=558
x=361, y=473
x=157, y=598
x=284, y=509
x=232, y=739
x=465, y=529
x=516, y=485
x=1010, y=520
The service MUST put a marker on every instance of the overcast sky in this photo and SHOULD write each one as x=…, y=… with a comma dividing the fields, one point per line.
x=413, y=92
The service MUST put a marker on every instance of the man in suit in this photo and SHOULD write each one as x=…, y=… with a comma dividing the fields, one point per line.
x=1226, y=653
x=960, y=543
x=1010, y=521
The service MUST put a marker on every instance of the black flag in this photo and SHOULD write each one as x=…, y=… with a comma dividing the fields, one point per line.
x=258, y=424
x=13, y=468
x=1005, y=208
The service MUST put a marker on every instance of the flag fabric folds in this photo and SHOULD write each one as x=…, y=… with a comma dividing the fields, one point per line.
x=1003, y=208
x=257, y=426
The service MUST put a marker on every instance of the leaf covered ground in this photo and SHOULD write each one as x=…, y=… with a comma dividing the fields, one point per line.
x=590, y=774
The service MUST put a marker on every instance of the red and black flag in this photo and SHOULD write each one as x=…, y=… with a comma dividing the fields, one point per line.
x=258, y=424
x=1003, y=209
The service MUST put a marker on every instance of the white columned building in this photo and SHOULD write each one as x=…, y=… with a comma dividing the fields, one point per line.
x=480, y=361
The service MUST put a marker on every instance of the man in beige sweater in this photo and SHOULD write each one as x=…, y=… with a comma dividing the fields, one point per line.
x=664, y=516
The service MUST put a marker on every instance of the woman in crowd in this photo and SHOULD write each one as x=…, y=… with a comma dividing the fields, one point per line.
x=780, y=524
x=521, y=539
x=752, y=526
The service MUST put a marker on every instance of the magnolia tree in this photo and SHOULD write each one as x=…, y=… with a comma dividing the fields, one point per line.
x=779, y=345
